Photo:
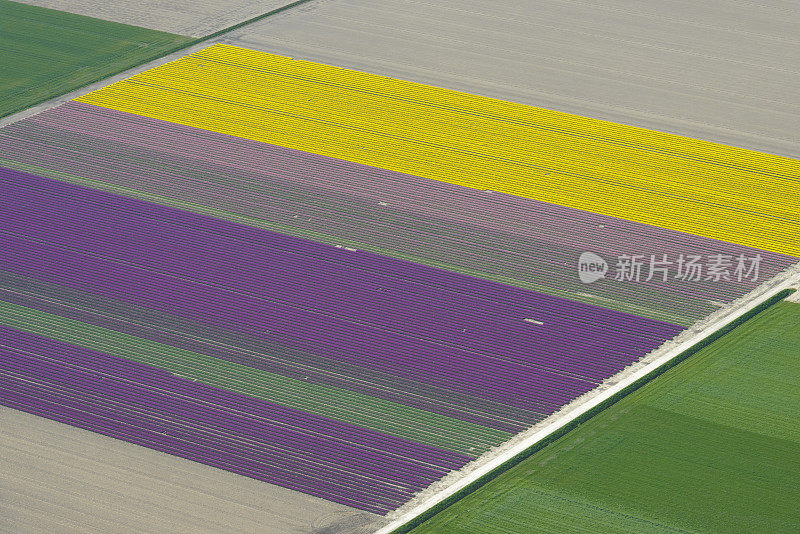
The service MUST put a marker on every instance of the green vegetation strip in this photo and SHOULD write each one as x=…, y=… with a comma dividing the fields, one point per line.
x=712, y=445
x=351, y=407
x=47, y=53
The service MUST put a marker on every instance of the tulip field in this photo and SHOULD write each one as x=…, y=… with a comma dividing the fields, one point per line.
x=430, y=346
x=525, y=242
x=473, y=141
x=351, y=286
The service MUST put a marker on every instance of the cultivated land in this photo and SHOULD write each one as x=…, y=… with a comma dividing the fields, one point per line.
x=306, y=318
x=47, y=53
x=717, y=70
x=712, y=445
x=341, y=373
x=126, y=344
x=59, y=478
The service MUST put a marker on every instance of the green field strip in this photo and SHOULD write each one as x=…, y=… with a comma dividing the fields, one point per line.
x=617, y=305
x=769, y=400
x=548, y=513
x=47, y=53
x=351, y=407
x=711, y=445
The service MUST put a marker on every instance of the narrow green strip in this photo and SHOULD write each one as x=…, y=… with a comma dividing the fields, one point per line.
x=347, y=406
x=51, y=52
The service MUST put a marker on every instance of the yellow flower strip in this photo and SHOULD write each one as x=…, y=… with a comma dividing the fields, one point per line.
x=675, y=182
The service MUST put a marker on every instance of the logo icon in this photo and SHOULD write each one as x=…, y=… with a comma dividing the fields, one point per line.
x=591, y=267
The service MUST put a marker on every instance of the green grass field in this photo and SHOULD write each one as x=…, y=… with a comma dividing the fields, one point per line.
x=47, y=53
x=712, y=445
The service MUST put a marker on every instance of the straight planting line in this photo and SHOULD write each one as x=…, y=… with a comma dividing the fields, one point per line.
x=155, y=60
x=455, y=486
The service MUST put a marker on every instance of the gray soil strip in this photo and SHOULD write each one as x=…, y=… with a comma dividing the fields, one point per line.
x=195, y=18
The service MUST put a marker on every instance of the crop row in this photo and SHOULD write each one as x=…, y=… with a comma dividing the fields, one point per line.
x=326, y=199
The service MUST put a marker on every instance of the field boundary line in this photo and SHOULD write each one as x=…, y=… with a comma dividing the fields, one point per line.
x=454, y=487
x=155, y=60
